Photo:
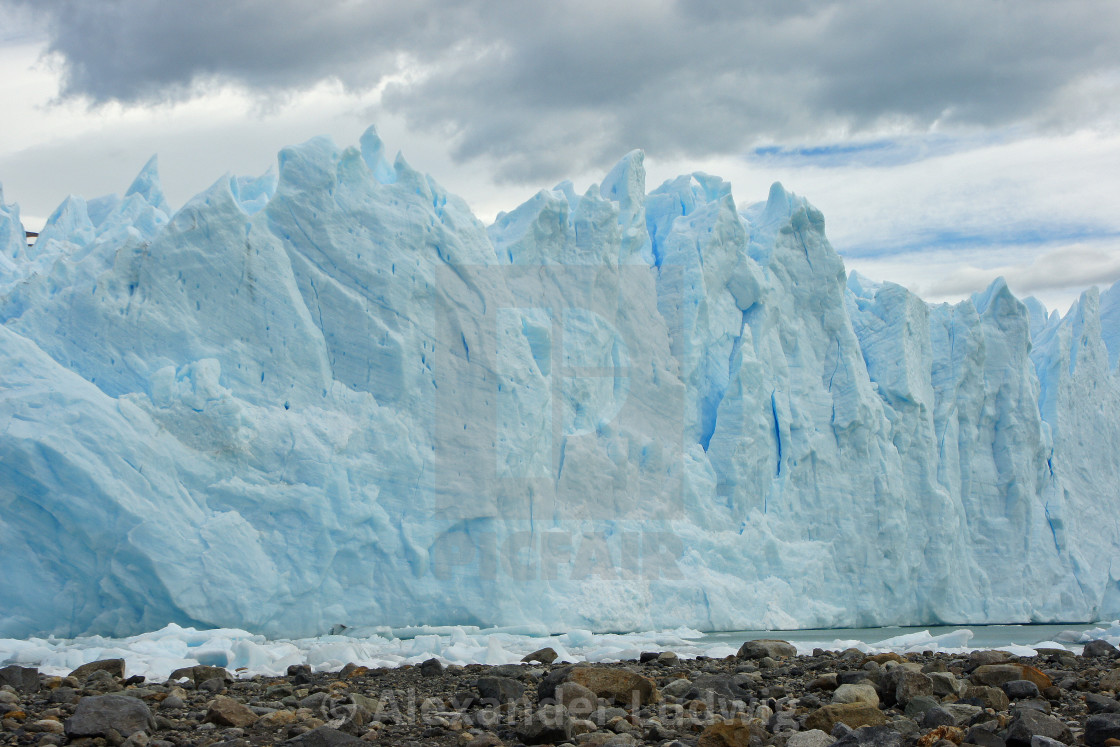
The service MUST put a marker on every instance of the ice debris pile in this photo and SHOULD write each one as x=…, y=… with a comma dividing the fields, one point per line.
x=157, y=654
x=331, y=396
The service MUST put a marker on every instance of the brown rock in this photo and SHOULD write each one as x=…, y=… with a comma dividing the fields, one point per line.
x=1110, y=680
x=734, y=733
x=994, y=675
x=114, y=667
x=1037, y=676
x=276, y=719
x=991, y=697
x=544, y=656
x=352, y=670
x=854, y=715
x=620, y=685
x=764, y=647
x=200, y=673
x=46, y=725
x=954, y=734
x=225, y=711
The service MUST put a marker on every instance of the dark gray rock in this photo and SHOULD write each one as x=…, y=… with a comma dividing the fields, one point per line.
x=300, y=674
x=783, y=722
x=324, y=736
x=726, y=686
x=547, y=725
x=23, y=679
x=963, y=713
x=677, y=688
x=499, y=689
x=852, y=677
x=871, y=736
x=546, y=689
x=1101, y=704
x=172, y=701
x=919, y=705
x=431, y=668
x=1019, y=689
x=213, y=685
x=907, y=727
x=982, y=737
x=102, y=681
x=1102, y=726
x=936, y=717
x=906, y=685
x=96, y=715
x=515, y=671
x=1095, y=649
x=314, y=701
x=64, y=695
x=1040, y=741
x=1036, y=704
x=1026, y=723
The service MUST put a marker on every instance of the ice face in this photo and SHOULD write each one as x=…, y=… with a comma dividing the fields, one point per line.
x=330, y=395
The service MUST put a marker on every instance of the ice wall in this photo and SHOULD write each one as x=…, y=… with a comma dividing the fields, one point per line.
x=331, y=396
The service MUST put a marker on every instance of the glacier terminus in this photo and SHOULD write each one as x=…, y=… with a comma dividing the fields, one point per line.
x=330, y=396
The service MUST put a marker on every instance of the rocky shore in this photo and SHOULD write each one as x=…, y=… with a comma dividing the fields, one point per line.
x=765, y=695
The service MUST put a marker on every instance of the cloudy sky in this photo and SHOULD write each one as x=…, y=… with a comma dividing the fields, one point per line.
x=947, y=142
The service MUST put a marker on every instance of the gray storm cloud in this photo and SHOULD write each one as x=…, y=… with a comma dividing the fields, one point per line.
x=585, y=81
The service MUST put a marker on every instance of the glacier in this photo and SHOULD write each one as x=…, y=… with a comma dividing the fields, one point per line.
x=329, y=397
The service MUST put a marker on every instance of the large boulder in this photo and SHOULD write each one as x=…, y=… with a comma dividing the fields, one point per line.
x=499, y=689
x=543, y=656
x=114, y=667
x=96, y=716
x=620, y=685
x=764, y=647
x=1028, y=723
x=550, y=724
x=22, y=679
x=579, y=700
x=225, y=711
x=1098, y=648
x=1101, y=727
x=200, y=673
x=856, y=693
